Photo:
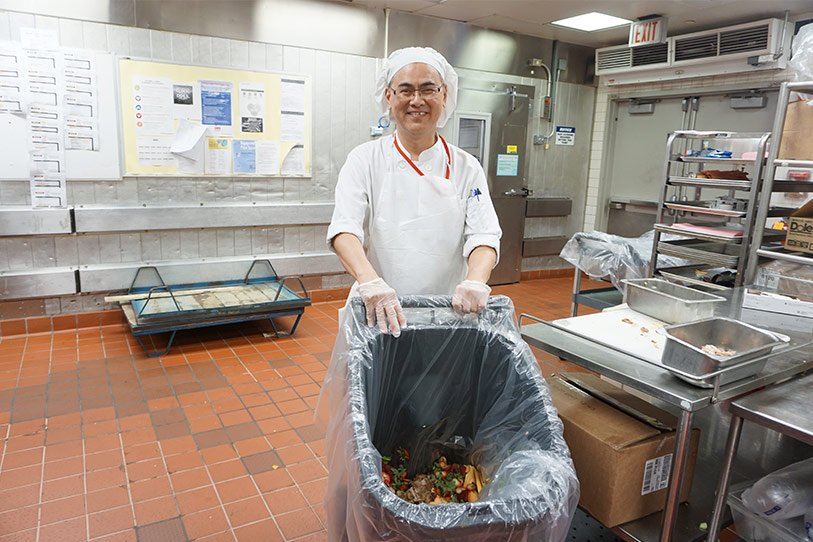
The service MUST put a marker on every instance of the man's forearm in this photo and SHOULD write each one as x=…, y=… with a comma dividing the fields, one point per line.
x=481, y=261
x=351, y=254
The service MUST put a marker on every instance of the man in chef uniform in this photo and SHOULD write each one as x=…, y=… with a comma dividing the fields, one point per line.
x=413, y=213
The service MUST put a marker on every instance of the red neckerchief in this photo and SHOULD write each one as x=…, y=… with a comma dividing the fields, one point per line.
x=411, y=163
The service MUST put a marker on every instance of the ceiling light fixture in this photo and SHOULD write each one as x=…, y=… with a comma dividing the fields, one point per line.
x=591, y=22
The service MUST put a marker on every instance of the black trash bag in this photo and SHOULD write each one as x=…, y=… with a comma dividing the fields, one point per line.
x=464, y=386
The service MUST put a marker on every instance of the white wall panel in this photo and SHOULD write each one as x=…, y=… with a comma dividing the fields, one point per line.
x=88, y=248
x=201, y=50
x=94, y=36
x=140, y=42
x=241, y=190
x=238, y=54
x=273, y=57
x=127, y=191
x=130, y=244
x=292, y=189
x=290, y=59
x=110, y=248
x=307, y=239
x=67, y=253
x=150, y=247
x=105, y=191
x=160, y=45
x=276, y=189
x=14, y=193
x=20, y=256
x=43, y=251
x=69, y=31
x=291, y=240
x=256, y=56
x=5, y=28
x=276, y=240
x=242, y=241
x=181, y=48
x=221, y=51
x=208, y=243
x=118, y=39
x=190, y=244
x=170, y=245
x=225, y=243
x=168, y=190
x=259, y=241
x=4, y=264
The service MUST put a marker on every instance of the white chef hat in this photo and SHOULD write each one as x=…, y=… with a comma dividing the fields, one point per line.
x=426, y=55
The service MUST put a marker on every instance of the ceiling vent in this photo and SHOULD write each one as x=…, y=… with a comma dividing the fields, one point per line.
x=711, y=52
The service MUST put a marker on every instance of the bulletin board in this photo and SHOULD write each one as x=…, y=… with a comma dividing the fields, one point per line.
x=101, y=163
x=201, y=121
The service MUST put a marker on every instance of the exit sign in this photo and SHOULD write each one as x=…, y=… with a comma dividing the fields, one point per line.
x=647, y=32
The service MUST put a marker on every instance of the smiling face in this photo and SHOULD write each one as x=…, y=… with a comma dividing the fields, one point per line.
x=417, y=116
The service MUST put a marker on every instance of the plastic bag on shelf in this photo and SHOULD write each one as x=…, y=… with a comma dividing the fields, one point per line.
x=786, y=493
x=606, y=256
x=463, y=386
x=801, y=61
x=809, y=524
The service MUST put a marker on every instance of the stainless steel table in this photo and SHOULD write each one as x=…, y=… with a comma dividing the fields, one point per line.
x=785, y=408
x=658, y=383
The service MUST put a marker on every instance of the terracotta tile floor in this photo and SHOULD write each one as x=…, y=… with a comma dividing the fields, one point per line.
x=213, y=442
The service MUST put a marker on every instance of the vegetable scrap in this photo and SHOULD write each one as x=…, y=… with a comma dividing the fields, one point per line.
x=446, y=483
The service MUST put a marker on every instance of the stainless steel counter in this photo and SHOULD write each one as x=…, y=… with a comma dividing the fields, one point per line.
x=785, y=408
x=658, y=383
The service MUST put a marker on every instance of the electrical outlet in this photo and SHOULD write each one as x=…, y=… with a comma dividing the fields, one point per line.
x=376, y=131
x=539, y=140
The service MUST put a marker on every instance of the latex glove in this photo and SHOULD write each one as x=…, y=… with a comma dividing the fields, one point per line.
x=470, y=296
x=382, y=306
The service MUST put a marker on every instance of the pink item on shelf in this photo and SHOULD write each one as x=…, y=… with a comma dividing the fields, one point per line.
x=720, y=232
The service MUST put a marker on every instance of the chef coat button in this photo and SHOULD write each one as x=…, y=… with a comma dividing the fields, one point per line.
x=402, y=164
x=428, y=168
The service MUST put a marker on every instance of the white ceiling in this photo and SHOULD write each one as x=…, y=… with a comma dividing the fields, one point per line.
x=532, y=17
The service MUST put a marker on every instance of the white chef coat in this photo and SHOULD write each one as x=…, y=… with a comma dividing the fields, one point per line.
x=376, y=177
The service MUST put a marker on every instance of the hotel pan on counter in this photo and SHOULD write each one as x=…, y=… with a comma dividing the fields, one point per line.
x=684, y=343
x=669, y=302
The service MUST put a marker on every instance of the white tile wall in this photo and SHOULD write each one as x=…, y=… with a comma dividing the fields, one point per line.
x=160, y=45
x=94, y=36
x=139, y=42
x=181, y=48
x=5, y=28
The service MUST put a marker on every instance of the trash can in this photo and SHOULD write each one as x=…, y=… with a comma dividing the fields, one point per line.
x=465, y=386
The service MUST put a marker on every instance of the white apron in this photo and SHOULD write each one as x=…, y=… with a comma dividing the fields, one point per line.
x=416, y=232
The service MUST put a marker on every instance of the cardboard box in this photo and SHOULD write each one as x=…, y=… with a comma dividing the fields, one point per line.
x=797, y=135
x=622, y=462
x=800, y=229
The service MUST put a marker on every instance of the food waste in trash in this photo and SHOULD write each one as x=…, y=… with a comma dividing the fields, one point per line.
x=447, y=482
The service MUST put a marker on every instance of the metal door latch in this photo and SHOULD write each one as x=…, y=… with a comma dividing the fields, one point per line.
x=521, y=193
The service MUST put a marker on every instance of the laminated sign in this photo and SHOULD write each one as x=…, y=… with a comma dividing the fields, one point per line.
x=565, y=135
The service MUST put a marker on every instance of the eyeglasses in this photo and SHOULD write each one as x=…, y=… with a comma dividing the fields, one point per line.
x=406, y=93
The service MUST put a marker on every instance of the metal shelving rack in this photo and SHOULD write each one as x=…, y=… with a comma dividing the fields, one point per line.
x=760, y=246
x=707, y=247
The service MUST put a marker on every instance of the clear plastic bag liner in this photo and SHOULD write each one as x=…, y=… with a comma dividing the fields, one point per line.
x=467, y=387
x=801, y=60
x=604, y=256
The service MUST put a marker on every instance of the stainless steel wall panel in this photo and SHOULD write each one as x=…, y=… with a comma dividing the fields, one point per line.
x=291, y=240
x=4, y=263
x=82, y=192
x=28, y=221
x=259, y=241
x=543, y=246
x=94, y=36
x=241, y=190
x=276, y=190
x=105, y=278
x=306, y=240
x=304, y=23
x=120, y=12
x=551, y=206
x=37, y=283
x=276, y=240
x=181, y=48
x=106, y=191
